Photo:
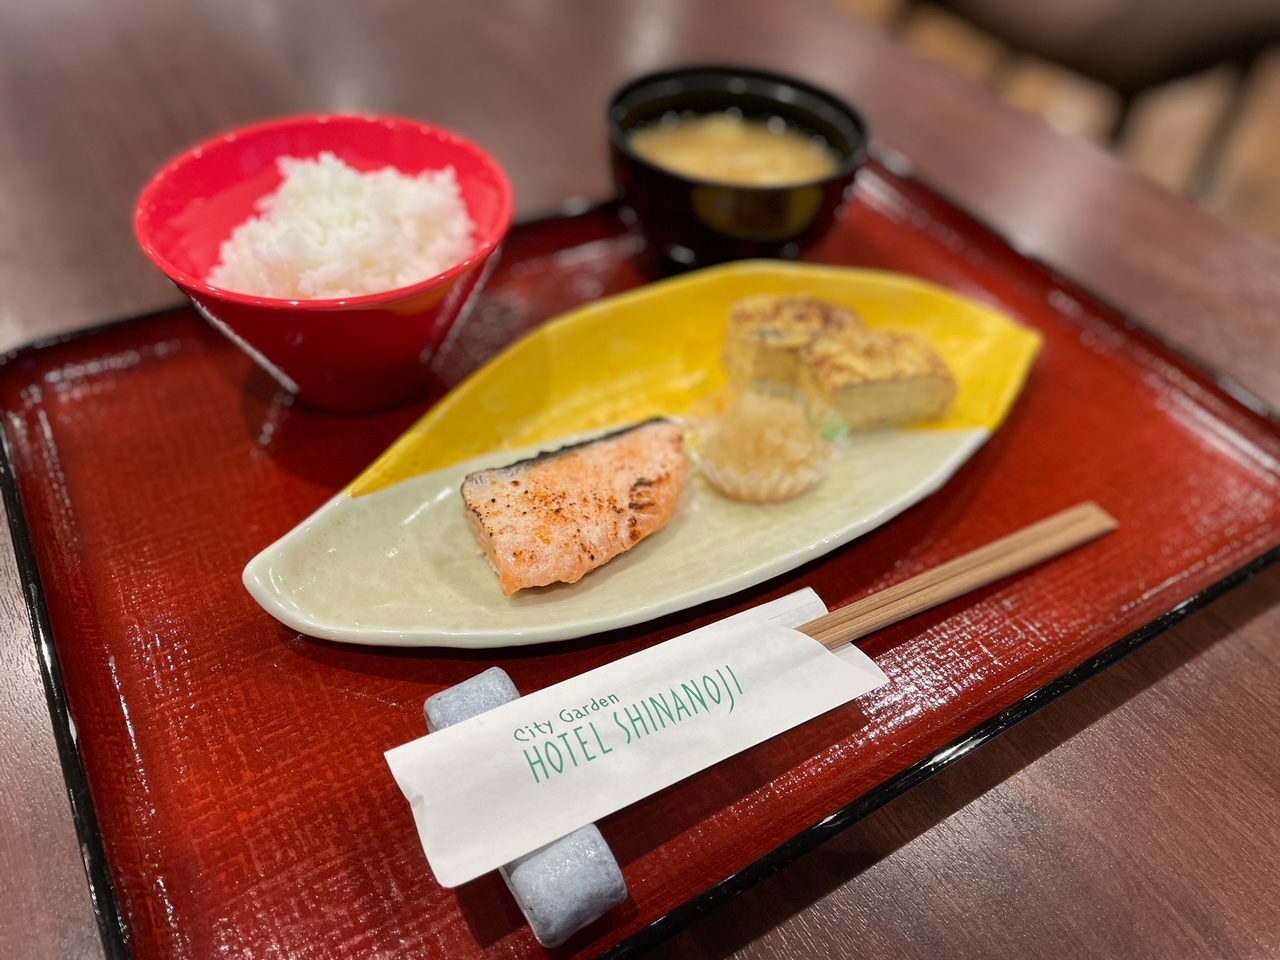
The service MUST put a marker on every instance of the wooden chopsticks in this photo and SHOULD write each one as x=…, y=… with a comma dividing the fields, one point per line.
x=1031, y=545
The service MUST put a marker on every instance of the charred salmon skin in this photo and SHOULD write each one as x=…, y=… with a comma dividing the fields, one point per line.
x=559, y=515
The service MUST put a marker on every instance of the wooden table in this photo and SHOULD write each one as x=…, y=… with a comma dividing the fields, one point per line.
x=1137, y=816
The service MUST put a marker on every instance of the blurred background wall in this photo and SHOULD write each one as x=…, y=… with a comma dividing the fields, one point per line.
x=1186, y=91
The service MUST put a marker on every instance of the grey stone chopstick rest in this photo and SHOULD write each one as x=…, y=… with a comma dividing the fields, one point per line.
x=469, y=698
x=565, y=885
x=562, y=887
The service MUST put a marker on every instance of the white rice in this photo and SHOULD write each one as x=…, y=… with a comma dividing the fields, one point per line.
x=330, y=231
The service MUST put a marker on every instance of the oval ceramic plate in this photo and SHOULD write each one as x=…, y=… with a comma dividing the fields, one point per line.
x=390, y=559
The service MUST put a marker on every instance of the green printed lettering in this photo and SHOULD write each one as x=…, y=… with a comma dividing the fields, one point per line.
x=558, y=763
x=707, y=684
x=636, y=720
x=727, y=688
x=599, y=741
x=586, y=752
x=568, y=747
x=661, y=709
x=535, y=762
x=622, y=725
x=735, y=677
x=680, y=707
x=694, y=694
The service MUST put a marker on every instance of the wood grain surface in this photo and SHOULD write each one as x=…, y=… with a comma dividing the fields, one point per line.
x=1135, y=817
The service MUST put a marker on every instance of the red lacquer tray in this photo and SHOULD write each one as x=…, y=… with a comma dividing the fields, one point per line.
x=227, y=774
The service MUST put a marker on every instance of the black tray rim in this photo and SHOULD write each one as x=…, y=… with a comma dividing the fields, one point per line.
x=112, y=928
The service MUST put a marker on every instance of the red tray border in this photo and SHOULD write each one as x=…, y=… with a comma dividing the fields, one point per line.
x=111, y=927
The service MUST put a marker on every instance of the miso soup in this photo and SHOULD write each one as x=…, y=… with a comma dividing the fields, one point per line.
x=729, y=148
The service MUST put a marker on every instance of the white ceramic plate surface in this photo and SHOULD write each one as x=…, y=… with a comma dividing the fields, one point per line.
x=390, y=560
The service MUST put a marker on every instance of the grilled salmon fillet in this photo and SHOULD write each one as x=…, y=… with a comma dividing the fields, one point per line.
x=561, y=514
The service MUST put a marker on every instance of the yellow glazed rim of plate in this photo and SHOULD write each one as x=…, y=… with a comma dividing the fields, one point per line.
x=655, y=351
